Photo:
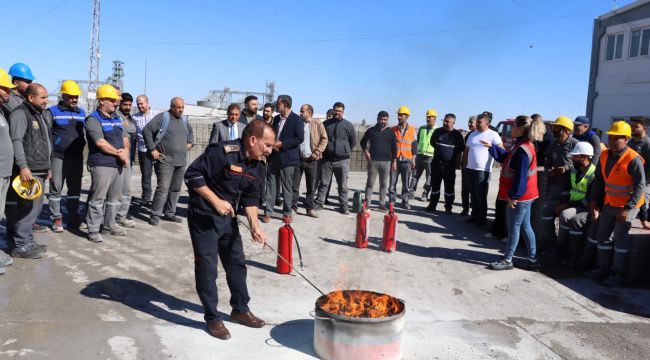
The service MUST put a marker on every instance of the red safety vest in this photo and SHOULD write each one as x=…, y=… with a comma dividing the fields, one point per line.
x=505, y=181
x=619, y=185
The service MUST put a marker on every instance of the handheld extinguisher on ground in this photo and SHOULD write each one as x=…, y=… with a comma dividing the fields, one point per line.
x=389, y=240
x=285, y=249
x=363, y=220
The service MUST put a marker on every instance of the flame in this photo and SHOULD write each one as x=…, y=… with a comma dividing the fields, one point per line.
x=360, y=304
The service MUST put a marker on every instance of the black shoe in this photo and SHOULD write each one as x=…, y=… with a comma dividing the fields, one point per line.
x=431, y=209
x=530, y=265
x=470, y=221
x=318, y=207
x=28, y=251
x=502, y=264
x=172, y=218
x=344, y=210
x=465, y=212
x=147, y=204
x=448, y=211
x=278, y=202
x=154, y=220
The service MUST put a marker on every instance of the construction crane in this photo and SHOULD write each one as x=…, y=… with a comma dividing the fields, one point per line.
x=93, y=71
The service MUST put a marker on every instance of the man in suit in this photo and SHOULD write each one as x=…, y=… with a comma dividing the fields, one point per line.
x=229, y=129
x=289, y=129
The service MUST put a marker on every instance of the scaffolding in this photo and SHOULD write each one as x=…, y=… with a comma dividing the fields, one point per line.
x=221, y=99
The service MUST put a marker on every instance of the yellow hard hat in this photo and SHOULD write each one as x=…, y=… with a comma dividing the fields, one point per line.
x=620, y=128
x=564, y=121
x=432, y=112
x=70, y=87
x=28, y=190
x=107, y=91
x=404, y=110
x=5, y=81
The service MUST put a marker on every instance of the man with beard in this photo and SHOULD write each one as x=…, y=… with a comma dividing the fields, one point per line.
x=124, y=112
x=249, y=113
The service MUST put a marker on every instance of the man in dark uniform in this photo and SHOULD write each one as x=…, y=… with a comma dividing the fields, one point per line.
x=227, y=175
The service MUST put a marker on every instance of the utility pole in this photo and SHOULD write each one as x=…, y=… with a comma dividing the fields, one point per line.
x=93, y=71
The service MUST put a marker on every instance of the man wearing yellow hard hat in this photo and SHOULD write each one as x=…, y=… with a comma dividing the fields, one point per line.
x=404, y=161
x=32, y=147
x=424, y=156
x=108, y=145
x=6, y=157
x=68, y=144
x=557, y=167
x=617, y=194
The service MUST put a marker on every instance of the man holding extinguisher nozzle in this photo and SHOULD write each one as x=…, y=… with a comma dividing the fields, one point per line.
x=228, y=175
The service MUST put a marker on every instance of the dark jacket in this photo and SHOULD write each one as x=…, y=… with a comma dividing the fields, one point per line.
x=67, y=131
x=30, y=135
x=292, y=135
x=342, y=138
x=244, y=120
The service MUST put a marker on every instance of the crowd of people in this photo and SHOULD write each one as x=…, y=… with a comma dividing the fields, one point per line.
x=258, y=161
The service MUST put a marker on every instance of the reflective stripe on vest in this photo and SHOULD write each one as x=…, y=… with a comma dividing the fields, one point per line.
x=619, y=185
x=424, y=142
x=507, y=172
x=579, y=189
x=405, y=144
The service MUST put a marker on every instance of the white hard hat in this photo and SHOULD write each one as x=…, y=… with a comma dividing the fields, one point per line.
x=582, y=148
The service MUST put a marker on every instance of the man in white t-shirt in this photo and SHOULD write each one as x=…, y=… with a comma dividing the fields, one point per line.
x=479, y=166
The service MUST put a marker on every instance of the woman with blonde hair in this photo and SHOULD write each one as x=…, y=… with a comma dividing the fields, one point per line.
x=518, y=186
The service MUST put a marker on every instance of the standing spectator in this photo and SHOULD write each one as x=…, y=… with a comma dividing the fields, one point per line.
x=617, y=194
x=290, y=133
x=267, y=117
x=407, y=147
x=229, y=129
x=6, y=157
x=557, y=167
x=108, y=145
x=168, y=137
x=328, y=116
x=311, y=150
x=582, y=132
x=250, y=110
x=267, y=113
x=32, y=149
x=21, y=77
x=424, y=156
x=518, y=186
x=380, y=155
x=68, y=143
x=123, y=217
x=641, y=144
x=464, y=189
x=479, y=167
x=142, y=117
x=336, y=158
x=449, y=145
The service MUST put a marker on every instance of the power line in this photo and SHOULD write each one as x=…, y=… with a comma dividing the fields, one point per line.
x=29, y=22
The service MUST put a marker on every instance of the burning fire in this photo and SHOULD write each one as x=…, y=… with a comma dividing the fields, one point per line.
x=360, y=304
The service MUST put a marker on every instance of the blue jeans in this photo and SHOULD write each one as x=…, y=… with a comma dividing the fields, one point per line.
x=518, y=219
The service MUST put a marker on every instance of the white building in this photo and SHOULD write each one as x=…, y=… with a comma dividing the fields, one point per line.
x=619, y=79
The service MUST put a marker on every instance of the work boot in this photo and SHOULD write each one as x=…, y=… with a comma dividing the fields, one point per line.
x=588, y=255
x=344, y=210
x=57, y=226
x=312, y=213
x=95, y=237
x=172, y=218
x=615, y=279
x=218, y=330
x=405, y=205
x=154, y=220
x=247, y=319
x=38, y=228
x=28, y=251
x=115, y=232
x=431, y=208
x=124, y=222
x=465, y=212
x=502, y=264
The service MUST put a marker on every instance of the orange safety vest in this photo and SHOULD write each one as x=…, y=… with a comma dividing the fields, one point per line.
x=619, y=185
x=405, y=144
x=603, y=147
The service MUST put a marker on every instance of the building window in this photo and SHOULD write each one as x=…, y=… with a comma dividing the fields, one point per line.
x=640, y=42
x=614, y=47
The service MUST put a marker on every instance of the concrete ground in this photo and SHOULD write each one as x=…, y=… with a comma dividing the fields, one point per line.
x=134, y=297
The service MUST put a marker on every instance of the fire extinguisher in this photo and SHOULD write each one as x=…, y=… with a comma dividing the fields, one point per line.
x=286, y=235
x=389, y=240
x=363, y=219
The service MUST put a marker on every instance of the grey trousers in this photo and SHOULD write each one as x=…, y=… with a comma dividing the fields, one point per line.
x=104, y=197
x=310, y=168
x=22, y=215
x=170, y=180
x=283, y=176
x=422, y=164
x=125, y=202
x=618, y=244
x=5, y=182
x=340, y=170
x=376, y=169
x=404, y=171
x=70, y=172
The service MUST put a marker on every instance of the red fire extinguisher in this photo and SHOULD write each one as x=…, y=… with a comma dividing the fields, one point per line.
x=363, y=219
x=389, y=240
x=285, y=249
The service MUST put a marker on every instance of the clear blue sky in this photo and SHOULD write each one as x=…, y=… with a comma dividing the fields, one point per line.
x=506, y=56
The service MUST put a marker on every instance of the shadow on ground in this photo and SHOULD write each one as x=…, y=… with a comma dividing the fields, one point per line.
x=295, y=334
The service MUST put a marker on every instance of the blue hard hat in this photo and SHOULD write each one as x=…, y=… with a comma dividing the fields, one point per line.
x=582, y=120
x=20, y=70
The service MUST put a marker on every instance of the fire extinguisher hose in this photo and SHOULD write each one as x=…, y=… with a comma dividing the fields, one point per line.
x=297, y=245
